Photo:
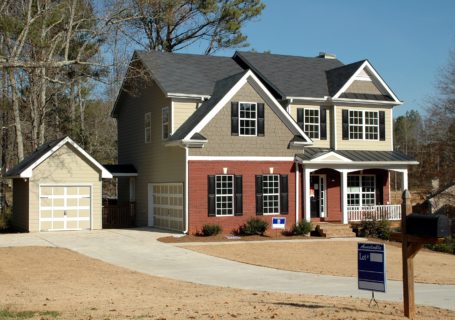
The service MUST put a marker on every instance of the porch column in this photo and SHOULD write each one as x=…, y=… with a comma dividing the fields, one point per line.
x=306, y=193
x=344, y=196
x=404, y=180
x=132, y=181
x=297, y=195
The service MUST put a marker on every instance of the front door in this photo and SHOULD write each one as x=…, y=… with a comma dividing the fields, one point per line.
x=317, y=195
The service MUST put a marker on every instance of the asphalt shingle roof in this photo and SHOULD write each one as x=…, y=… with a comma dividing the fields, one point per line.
x=32, y=158
x=291, y=76
x=337, y=77
x=357, y=155
x=187, y=73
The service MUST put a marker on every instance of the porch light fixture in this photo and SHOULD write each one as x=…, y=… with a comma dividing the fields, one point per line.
x=271, y=170
x=225, y=170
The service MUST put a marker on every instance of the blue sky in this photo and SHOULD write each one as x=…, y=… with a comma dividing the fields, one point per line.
x=407, y=41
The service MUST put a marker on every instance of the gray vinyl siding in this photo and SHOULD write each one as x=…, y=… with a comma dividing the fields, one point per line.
x=155, y=163
x=20, y=204
x=221, y=143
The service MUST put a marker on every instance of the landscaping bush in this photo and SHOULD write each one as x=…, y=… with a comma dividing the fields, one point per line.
x=375, y=228
x=254, y=226
x=447, y=247
x=5, y=220
x=211, y=230
x=301, y=228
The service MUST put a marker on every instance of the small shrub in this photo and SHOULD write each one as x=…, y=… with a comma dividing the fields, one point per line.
x=5, y=220
x=375, y=228
x=254, y=226
x=211, y=230
x=447, y=247
x=301, y=228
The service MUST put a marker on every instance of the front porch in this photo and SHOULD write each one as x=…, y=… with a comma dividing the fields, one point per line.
x=344, y=187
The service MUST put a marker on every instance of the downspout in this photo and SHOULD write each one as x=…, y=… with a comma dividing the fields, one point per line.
x=186, y=190
x=296, y=192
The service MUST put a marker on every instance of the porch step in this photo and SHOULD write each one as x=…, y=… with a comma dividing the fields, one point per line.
x=334, y=230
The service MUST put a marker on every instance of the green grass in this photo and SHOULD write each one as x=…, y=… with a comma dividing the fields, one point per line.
x=6, y=314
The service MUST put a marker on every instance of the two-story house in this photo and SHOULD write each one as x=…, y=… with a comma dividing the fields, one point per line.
x=223, y=139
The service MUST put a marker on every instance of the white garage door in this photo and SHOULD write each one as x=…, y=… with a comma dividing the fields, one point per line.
x=65, y=207
x=165, y=205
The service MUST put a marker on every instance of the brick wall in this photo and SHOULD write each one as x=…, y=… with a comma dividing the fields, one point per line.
x=198, y=192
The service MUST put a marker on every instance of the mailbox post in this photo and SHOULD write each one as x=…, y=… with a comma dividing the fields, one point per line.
x=410, y=246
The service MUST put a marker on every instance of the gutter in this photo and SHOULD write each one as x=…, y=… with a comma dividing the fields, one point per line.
x=186, y=191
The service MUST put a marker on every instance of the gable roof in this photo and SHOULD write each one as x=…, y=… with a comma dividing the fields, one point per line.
x=290, y=76
x=337, y=77
x=187, y=73
x=24, y=168
x=358, y=155
x=225, y=89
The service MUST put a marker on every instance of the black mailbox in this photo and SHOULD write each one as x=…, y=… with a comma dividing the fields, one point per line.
x=422, y=225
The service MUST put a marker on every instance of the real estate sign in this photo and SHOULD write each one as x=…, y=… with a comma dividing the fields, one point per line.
x=371, y=266
x=278, y=223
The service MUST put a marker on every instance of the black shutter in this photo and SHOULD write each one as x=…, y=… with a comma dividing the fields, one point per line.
x=284, y=206
x=323, y=124
x=234, y=118
x=238, y=198
x=259, y=204
x=382, y=125
x=379, y=188
x=300, y=118
x=260, y=120
x=345, y=119
x=211, y=200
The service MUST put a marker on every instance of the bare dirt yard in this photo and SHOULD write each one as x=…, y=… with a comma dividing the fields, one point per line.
x=50, y=283
x=332, y=257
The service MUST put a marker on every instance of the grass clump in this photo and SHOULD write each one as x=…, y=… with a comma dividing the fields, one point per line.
x=8, y=314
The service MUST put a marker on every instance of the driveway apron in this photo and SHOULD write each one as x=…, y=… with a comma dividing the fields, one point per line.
x=139, y=250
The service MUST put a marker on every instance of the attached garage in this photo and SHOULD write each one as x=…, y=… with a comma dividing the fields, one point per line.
x=165, y=206
x=58, y=187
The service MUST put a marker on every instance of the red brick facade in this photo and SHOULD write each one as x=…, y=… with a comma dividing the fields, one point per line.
x=198, y=191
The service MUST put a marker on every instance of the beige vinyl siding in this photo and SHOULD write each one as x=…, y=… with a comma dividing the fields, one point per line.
x=374, y=145
x=182, y=110
x=222, y=143
x=155, y=163
x=317, y=143
x=65, y=167
x=366, y=87
x=20, y=204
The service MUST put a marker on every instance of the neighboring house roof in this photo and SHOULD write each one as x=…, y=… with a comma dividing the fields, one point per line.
x=357, y=155
x=224, y=90
x=121, y=170
x=290, y=76
x=24, y=168
x=187, y=73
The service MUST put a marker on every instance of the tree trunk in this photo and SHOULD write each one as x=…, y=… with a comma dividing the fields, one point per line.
x=16, y=112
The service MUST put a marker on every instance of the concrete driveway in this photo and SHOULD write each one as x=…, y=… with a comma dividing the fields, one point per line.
x=139, y=250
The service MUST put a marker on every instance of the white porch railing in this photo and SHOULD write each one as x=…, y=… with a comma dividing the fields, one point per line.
x=381, y=212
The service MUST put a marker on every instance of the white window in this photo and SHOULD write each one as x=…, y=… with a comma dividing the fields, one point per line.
x=147, y=127
x=271, y=193
x=165, y=122
x=224, y=195
x=247, y=119
x=361, y=190
x=363, y=125
x=311, y=123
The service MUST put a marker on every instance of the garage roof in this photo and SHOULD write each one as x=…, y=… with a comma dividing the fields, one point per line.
x=24, y=168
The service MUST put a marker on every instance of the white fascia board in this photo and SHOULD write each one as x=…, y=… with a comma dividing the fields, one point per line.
x=366, y=102
x=27, y=173
x=358, y=164
x=309, y=99
x=282, y=114
x=187, y=96
x=366, y=64
x=330, y=154
x=239, y=158
x=124, y=174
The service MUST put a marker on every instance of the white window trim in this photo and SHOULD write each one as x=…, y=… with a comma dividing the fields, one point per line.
x=165, y=109
x=255, y=119
x=264, y=194
x=361, y=186
x=363, y=124
x=149, y=128
x=224, y=195
x=318, y=124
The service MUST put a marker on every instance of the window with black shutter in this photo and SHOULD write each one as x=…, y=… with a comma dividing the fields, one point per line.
x=259, y=192
x=284, y=199
x=382, y=125
x=272, y=194
x=323, y=124
x=234, y=118
x=238, y=200
x=211, y=196
x=345, y=123
x=225, y=195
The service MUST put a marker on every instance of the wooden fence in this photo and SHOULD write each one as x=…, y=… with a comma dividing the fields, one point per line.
x=119, y=215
